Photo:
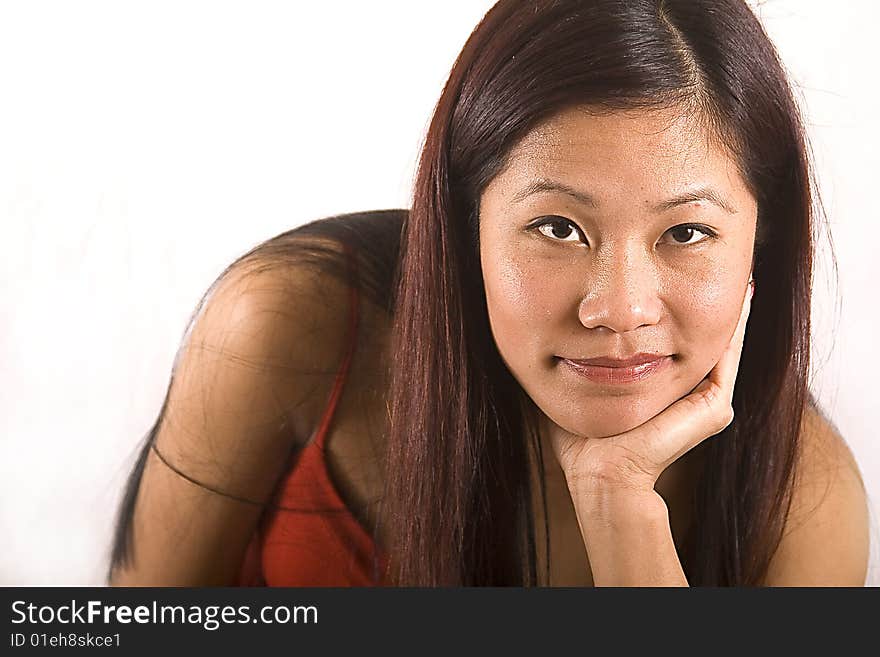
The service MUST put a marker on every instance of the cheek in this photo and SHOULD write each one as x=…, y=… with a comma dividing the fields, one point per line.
x=707, y=313
x=524, y=298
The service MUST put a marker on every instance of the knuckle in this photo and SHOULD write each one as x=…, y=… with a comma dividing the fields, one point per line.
x=717, y=407
x=705, y=401
x=710, y=395
x=725, y=418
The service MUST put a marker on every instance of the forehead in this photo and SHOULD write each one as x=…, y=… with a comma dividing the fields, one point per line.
x=649, y=153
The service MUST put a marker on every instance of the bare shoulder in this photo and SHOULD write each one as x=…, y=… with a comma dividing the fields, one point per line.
x=248, y=382
x=260, y=354
x=826, y=537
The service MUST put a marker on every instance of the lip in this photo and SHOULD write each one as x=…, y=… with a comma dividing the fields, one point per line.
x=631, y=370
x=607, y=361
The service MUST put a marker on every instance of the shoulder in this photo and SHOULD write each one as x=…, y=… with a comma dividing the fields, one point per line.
x=279, y=313
x=825, y=540
x=256, y=362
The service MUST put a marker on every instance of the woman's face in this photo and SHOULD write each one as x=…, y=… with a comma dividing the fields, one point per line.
x=609, y=236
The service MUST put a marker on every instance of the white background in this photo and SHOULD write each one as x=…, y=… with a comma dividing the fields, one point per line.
x=144, y=146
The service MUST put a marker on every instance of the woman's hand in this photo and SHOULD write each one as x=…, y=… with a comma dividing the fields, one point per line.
x=633, y=461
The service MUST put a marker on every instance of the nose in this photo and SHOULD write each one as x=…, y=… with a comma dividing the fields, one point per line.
x=623, y=294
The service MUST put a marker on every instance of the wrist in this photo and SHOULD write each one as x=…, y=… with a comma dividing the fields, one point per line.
x=617, y=505
x=628, y=539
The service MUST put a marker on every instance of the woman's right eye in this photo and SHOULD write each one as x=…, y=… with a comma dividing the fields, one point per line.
x=560, y=230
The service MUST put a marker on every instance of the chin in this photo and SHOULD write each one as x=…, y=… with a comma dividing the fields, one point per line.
x=603, y=427
x=608, y=417
x=607, y=427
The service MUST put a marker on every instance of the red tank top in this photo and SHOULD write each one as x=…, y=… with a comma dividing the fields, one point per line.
x=307, y=536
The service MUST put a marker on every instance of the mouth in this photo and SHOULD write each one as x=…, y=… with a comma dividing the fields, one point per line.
x=631, y=370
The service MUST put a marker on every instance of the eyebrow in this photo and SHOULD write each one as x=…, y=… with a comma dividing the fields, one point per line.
x=700, y=193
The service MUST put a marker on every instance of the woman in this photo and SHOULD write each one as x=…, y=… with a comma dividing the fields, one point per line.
x=541, y=373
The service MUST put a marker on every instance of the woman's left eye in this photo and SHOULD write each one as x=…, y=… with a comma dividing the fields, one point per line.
x=684, y=235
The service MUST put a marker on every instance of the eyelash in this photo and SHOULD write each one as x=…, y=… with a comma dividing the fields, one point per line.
x=550, y=220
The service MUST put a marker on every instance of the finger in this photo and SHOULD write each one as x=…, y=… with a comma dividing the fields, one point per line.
x=724, y=373
x=679, y=428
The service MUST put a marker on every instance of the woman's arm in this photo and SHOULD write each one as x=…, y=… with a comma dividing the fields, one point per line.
x=245, y=392
x=628, y=538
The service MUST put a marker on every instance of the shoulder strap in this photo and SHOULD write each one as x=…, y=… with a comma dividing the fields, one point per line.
x=341, y=375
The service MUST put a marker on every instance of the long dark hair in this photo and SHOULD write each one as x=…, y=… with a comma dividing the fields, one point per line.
x=458, y=485
x=458, y=494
